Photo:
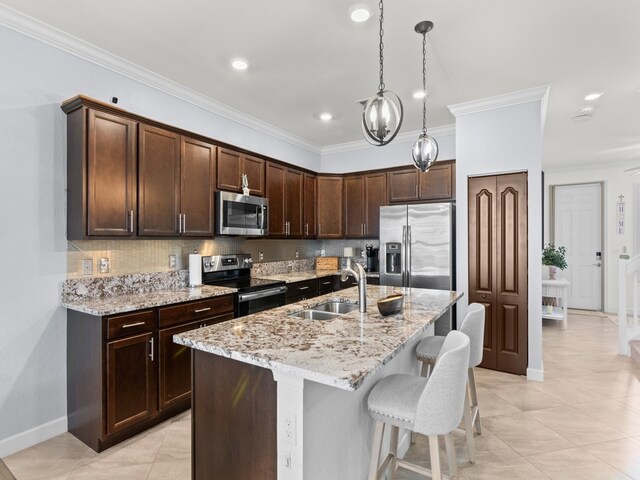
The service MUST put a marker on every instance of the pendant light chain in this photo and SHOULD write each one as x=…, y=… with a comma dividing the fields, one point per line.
x=424, y=82
x=381, y=86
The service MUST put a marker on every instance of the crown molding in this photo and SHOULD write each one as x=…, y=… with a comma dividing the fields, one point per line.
x=56, y=38
x=400, y=138
x=540, y=93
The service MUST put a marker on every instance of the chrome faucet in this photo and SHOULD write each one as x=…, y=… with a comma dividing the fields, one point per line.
x=361, y=278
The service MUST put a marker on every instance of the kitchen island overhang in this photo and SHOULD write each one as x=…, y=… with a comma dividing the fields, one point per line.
x=276, y=396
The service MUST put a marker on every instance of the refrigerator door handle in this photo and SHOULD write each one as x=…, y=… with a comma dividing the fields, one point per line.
x=408, y=283
x=404, y=256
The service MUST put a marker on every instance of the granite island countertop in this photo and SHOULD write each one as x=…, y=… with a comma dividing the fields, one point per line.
x=342, y=352
x=111, y=305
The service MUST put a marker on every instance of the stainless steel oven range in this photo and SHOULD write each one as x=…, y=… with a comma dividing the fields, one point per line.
x=234, y=271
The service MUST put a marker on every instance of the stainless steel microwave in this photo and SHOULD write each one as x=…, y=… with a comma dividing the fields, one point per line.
x=241, y=214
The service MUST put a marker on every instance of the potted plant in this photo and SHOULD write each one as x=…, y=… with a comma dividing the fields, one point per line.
x=554, y=258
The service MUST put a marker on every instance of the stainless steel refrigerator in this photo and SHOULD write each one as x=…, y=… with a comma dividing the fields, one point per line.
x=417, y=249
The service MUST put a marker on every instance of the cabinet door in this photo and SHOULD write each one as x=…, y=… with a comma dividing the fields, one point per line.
x=438, y=183
x=293, y=202
x=254, y=168
x=111, y=175
x=130, y=381
x=275, y=194
x=330, y=210
x=403, y=185
x=158, y=182
x=354, y=206
x=375, y=196
x=197, y=187
x=228, y=170
x=310, y=220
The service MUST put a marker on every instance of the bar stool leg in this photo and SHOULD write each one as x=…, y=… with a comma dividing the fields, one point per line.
x=475, y=407
x=451, y=455
x=376, y=447
x=434, y=450
x=468, y=426
x=393, y=449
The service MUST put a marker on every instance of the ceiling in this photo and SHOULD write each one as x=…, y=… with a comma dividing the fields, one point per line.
x=307, y=57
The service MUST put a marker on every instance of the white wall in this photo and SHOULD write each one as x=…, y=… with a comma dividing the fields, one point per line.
x=35, y=79
x=493, y=141
x=362, y=156
x=616, y=182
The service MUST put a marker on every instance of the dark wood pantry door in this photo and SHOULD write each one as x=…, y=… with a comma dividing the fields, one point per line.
x=498, y=267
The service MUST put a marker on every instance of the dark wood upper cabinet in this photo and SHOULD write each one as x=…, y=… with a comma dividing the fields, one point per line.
x=101, y=174
x=232, y=165
x=158, y=182
x=375, y=196
x=330, y=207
x=363, y=197
x=411, y=185
x=439, y=183
x=276, y=174
x=197, y=176
x=284, y=191
x=294, y=182
x=354, y=206
x=310, y=216
x=176, y=184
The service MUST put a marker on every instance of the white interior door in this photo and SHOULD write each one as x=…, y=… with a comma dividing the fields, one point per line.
x=578, y=227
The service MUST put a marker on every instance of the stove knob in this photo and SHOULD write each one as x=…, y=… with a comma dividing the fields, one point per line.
x=248, y=260
x=206, y=264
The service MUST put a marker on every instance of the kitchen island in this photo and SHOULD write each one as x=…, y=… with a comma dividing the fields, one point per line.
x=277, y=396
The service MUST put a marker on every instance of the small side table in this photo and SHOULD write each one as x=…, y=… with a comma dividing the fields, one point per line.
x=558, y=289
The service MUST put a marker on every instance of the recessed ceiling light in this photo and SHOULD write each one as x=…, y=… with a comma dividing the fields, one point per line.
x=359, y=13
x=593, y=96
x=326, y=116
x=586, y=109
x=418, y=94
x=239, y=64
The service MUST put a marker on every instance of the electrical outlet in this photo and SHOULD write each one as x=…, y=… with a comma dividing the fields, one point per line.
x=172, y=261
x=87, y=266
x=322, y=253
x=289, y=420
x=297, y=254
x=261, y=256
x=104, y=265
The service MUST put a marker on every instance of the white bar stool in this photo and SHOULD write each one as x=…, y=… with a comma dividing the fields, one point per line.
x=430, y=406
x=428, y=351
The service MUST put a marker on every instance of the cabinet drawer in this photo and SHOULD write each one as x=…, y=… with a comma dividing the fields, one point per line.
x=306, y=288
x=327, y=284
x=130, y=324
x=187, y=312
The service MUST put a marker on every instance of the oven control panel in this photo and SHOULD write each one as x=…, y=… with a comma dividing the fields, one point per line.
x=218, y=263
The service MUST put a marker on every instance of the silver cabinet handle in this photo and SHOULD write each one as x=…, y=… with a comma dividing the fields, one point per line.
x=151, y=354
x=184, y=223
x=179, y=223
x=306, y=229
x=200, y=310
x=129, y=325
x=326, y=283
x=131, y=221
x=303, y=288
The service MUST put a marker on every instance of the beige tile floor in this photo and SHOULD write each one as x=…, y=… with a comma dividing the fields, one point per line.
x=582, y=423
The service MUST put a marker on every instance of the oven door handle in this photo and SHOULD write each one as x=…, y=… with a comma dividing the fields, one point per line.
x=245, y=297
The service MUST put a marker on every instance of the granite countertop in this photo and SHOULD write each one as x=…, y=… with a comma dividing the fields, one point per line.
x=309, y=275
x=136, y=301
x=342, y=352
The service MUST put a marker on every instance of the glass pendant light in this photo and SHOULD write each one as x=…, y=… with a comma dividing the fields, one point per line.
x=382, y=114
x=425, y=150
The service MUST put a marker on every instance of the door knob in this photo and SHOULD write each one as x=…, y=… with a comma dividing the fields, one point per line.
x=484, y=296
x=597, y=264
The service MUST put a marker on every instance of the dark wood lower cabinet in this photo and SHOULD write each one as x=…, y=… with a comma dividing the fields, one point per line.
x=234, y=420
x=130, y=381
x=125, y=374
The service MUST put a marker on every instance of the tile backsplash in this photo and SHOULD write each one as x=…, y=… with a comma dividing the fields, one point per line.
x=146, y=256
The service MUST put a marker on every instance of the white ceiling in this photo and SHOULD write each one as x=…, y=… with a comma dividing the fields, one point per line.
x=307, y=57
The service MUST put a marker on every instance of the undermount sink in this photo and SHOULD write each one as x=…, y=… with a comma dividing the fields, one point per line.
x=314, y=315
x=336, y=307
x=326, y=311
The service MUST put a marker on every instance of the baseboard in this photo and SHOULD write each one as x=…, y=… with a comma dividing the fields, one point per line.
x=32, y=436
x=535, y=375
